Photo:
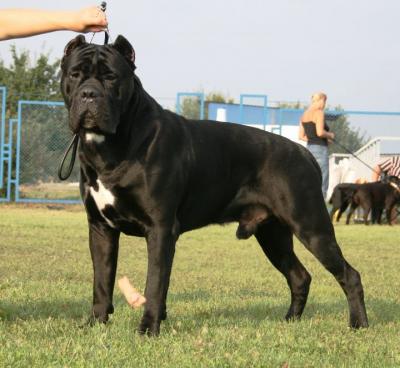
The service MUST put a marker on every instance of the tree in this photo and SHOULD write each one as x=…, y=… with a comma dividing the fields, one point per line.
x=44, y=130
x=345, y=135
x=292, y=105
x=190, y=107
x=29, y=81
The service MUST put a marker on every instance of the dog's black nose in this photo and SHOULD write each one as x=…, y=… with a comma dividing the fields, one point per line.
x=89, y=94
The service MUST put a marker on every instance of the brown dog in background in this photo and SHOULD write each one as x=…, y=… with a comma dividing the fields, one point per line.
x=376, y=197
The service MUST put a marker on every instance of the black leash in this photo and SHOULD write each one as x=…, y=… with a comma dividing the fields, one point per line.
x=103, y=7
x=74, y=146
x=354, y=155
x=75, y=139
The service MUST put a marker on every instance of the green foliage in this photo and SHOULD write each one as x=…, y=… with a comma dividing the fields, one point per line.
x=190, y=106
x=27, y=80
x=347, y=136
x=225, y=306
x=44, y=132
x=292, y=105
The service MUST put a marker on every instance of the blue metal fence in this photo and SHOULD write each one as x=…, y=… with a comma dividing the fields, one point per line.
x=31, y=145
x=3, y=97
x=259, y=114
x=42, y=137
x=8, y=150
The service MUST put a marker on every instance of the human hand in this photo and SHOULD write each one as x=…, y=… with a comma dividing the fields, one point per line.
x=330, y=137
x=132, y=296
x=91, y=19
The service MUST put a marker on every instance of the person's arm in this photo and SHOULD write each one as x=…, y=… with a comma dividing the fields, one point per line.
x=383, y=167
x=376, y=173
x=16, y=23
x=319, y=126
x=302, y=133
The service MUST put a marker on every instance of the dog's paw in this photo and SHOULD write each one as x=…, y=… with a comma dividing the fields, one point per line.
x=93, y=320
x=149, y=327
x=358, y=322
x=243, y=232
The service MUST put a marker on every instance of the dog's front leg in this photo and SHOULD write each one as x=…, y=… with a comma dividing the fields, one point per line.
x=161, y=250
x=103, y=242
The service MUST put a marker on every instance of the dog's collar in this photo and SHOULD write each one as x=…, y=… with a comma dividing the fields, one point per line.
x=395, y=186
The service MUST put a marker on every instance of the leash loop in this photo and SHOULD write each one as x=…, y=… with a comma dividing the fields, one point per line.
x=74, y=146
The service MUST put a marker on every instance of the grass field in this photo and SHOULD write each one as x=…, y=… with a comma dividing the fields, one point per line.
x=50, y=191
x=226, y=302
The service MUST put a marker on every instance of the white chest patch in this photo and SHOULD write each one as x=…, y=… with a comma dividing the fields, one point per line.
x=96, y=138
x=102, y=198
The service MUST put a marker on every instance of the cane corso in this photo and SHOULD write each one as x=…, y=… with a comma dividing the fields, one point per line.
x=376, y=197
x=149, y=172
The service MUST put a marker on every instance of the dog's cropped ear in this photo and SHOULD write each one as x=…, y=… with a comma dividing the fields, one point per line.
x=73, y=44
x=123, y=46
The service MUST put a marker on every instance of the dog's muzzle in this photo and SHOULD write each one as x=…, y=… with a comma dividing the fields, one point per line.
x=88, y=109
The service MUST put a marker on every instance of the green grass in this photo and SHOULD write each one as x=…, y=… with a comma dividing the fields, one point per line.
x=50, y=191
x=226, y=302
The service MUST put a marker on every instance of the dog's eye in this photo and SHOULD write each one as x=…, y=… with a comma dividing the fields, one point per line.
x=74, y=75
x=110, y=76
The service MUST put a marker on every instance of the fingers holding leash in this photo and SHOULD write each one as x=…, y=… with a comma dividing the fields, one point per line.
x=91, y=19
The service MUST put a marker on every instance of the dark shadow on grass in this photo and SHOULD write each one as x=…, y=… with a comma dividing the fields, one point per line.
x=384, y=311
x=78, y=310
x=380, y=312
x=43, y=309
x=190, y=296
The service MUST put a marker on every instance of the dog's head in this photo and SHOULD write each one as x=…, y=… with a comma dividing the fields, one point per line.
x=394, y=181
x=97, y=83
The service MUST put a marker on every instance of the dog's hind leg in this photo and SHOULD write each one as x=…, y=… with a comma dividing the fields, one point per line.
x=391, y=214
x=367, y=208
x=376, y=215
x=318, y=237
x=332, y=213
x=276, y=240
x=342, y=209
x=350, y=213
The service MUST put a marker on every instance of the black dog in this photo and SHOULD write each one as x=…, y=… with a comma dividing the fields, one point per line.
x=341, y=198
x=376, y=197
x=148, y=172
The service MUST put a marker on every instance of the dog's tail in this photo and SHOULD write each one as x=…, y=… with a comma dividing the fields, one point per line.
x=336, y=194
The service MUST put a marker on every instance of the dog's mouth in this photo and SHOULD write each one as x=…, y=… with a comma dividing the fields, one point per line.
x=93, y=116
x=84, y=118
x=87, y=120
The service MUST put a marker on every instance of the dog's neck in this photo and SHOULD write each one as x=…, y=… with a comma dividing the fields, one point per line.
x=395, y=186
x=105, y=152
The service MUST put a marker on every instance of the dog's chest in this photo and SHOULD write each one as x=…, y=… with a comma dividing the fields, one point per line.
x=104, y=200
x=112, y=207
x=102, y=196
